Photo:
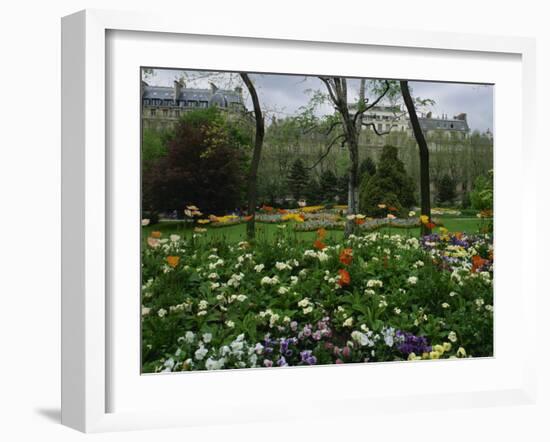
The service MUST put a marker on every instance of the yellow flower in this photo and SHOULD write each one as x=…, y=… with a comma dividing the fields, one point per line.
x=438, y=348
x=434, y=355
x=381, y=206
x=424, y=219
x=425, y=355
x=203, y=221
x=447, y=346
x=156, y=234
x=411, y=357
x=461, y=353
x=173, y=261
x=199, y=230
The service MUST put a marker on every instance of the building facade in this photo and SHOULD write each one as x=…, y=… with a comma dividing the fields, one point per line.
x=384, y=119
x=162, y=106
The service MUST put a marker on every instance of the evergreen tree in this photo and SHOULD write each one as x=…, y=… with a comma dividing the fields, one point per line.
x=368, y=167
x=446, y=189
x=389, y=186
x=298, y=179
x=328, y=186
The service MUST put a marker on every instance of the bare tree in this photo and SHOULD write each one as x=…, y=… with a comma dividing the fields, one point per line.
x=350, y=123
x=256, y=155
x=425, y=206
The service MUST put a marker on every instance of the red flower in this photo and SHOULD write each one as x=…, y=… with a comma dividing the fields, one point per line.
x=359, y=221
x=478, y=262
x=346, y=256
x=344, y=279
x=319, y=244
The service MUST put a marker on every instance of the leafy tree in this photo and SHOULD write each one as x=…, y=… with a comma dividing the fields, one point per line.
x=298, y=179
x=367, y=166
x=482, y=195
x=328, y=184
x=205, y=164
x=389, y=186
x=153, y=146
x=446, y=189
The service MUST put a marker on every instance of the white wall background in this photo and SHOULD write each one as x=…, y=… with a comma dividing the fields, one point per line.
x=30, y=215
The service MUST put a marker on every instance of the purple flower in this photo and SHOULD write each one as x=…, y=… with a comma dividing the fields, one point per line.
x=268, y=363
x=409, y=343
x=282, y=362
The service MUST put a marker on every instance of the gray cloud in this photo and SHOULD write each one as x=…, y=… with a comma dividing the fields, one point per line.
x=284, y=95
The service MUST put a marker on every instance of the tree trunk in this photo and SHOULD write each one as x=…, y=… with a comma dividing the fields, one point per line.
x=256, y=155
x=425, y=206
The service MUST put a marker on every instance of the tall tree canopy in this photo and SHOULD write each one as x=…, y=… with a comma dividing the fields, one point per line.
x=205, y=164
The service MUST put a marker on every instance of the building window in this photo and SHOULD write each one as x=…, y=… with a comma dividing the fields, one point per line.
x=153, y=112
x=379, y=127
x=177, y=114
x=165, y=112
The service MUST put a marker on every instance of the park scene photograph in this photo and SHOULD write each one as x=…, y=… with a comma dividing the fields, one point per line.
x=304, y=220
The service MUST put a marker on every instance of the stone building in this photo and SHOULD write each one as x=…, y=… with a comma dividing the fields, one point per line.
x=161, y=106
x=394, y=119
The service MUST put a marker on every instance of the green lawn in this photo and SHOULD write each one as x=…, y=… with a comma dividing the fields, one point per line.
x=266, y=232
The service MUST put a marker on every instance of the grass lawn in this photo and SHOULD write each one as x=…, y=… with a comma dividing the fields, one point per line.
x=266, y=231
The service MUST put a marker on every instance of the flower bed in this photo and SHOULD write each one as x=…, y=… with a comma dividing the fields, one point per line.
x=372, y=298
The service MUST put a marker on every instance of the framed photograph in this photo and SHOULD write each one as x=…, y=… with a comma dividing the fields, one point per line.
x=282, y=210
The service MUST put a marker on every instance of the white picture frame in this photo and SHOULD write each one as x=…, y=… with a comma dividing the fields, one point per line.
x=86, y=316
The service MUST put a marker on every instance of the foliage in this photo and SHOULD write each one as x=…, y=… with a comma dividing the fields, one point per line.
x=205, y=164
x=367, y=167
x=298, y=179
x=446, y=189
x=328, y=184
x=389, y=186
x=212, y=304
x=153, y=146
x=482, y=196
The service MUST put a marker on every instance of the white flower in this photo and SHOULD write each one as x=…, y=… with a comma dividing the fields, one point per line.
x=452, y=294
x=348, y=322
x=350, y=217
x=201, y=353
x=452, y=337
x=307, y=310
x=445, y=305
x=214, y=285
x=189, y=337
x=175, y=238
x=412, y=280
x=489, y=308
x=203, y=304
x=259, y=268
x=374, y=283
x=282, y=266
x=212, y=364
x=145, y=311
x=293, y=280
x=397, y=311
x=230, y=323
x=161, y=313
x=412, y=213
x=145, y=222
x=322, y=256
x=303, y=303
x=202, y=313
x=283, y=290
x=213, y=276
x=241, y=298
x=207, y=337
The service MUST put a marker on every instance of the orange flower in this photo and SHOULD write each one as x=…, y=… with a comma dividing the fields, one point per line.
x=267, y=208
x=173, y=261
x=346, y=256
x=359, y=221
x=321, y=233
x=156, y=234
x=319, y=244
x=282, y=211
x=344, y=279
x=392, y=209
x=478, y=262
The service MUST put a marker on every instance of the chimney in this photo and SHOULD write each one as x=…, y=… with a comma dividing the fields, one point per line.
x=461, y=116
x=213, y=88
x=177, y=90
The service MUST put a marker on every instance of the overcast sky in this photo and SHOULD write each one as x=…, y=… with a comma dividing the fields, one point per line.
x=283, y=95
